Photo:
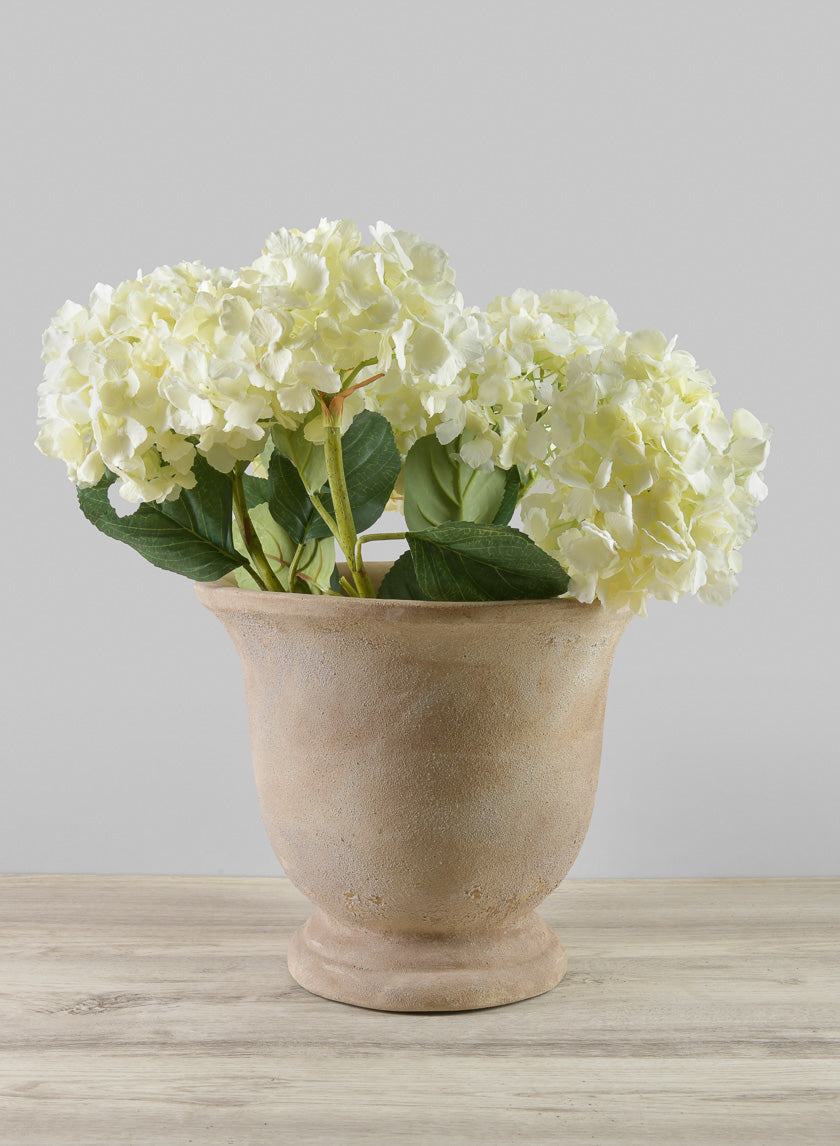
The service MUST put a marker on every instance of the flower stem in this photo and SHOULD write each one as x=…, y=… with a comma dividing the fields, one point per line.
x=327, y=517
x=375, y=537
x=341, y=502
x=250, y=536
x=351, y=377
x=293, y=568
x=525, y=485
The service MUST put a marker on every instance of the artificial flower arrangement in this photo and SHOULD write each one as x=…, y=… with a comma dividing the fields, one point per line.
x=258, y=416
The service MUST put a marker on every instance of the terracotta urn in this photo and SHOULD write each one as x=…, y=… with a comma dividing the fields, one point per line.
x=426, y=772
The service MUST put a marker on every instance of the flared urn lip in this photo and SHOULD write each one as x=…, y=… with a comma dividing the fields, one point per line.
x=225, y=595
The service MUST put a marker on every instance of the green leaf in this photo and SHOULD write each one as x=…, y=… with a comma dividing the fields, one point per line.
x=290, y=504
x=440, y=487
x=510, y=497
x=371, y=468
x=256, y=490
x=400, y=582
x=192, y=535
x=308, y=458
x=317, y=562
x=470, y=561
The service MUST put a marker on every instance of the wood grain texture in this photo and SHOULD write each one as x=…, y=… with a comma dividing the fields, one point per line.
x=159, y=1011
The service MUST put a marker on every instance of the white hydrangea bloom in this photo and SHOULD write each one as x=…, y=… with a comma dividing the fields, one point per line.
x=155, y=369
x=528, y=342
x=392, y=303
x=644, y=489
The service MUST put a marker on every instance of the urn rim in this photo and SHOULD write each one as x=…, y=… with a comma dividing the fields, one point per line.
x=225, y=595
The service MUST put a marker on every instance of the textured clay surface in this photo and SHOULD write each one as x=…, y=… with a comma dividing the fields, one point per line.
x=426, y=772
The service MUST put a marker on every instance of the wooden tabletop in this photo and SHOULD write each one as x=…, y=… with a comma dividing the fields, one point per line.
x=138, y=1010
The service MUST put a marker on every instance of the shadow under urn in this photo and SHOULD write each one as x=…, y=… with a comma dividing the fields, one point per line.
x=426, y=772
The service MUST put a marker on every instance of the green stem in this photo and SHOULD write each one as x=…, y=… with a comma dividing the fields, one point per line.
x=363, y=582
x=250, y=536
x=382, y=537
x=293, y=568
x=327, y=517
x=526, y=485
x=338, y=489
x=347, y=587
x=354, y=373
x=341, y=504
x=375, y=537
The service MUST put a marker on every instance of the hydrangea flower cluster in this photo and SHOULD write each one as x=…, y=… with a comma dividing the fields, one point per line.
x=633, y=478
x=637, y=483
x=643, y=488
x=529, y=340
x=150, y=371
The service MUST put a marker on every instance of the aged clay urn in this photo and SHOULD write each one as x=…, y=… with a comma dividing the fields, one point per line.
x=426, y=772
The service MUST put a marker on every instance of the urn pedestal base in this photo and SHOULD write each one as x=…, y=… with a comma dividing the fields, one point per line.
x=426, y=973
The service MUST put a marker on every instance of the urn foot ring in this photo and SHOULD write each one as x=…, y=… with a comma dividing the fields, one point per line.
x=449, y=973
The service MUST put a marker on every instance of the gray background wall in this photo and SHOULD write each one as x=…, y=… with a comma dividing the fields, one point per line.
x=678, y=159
